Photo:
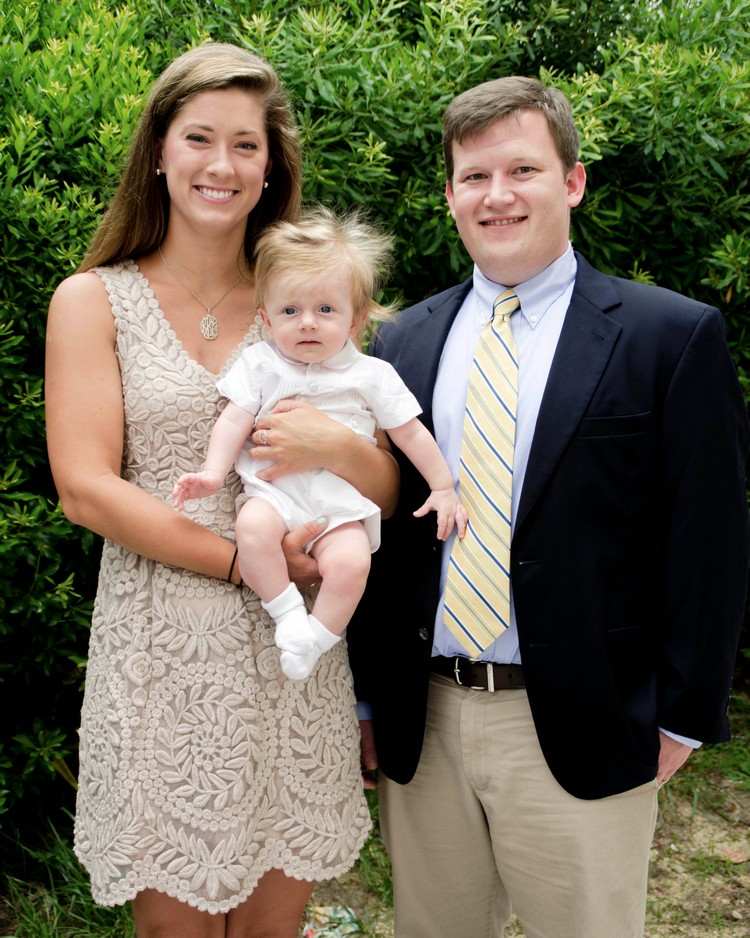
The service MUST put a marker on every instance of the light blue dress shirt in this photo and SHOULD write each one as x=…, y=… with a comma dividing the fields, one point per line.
x=536, y=329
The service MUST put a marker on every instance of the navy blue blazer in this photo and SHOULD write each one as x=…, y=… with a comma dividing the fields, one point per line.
x=630, y=551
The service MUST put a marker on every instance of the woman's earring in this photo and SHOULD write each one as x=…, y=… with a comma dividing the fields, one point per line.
x=158, y=171
x=265, y=184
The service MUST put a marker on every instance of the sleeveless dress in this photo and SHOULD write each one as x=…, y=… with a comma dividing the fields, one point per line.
x=201, y=766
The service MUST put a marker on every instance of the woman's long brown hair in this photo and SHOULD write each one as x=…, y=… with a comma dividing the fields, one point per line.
x=136, y=221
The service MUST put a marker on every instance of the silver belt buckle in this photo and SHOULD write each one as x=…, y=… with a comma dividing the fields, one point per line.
x=490, y=677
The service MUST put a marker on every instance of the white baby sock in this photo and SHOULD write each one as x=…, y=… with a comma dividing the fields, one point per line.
x=299, y=666
x=292, y=630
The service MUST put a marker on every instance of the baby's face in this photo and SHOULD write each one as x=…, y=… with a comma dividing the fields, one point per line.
x=309, y=316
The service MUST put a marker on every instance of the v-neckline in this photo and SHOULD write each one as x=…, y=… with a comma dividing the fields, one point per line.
x=183, y=353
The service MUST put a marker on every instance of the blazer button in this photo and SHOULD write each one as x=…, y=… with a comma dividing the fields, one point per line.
x=423, y=634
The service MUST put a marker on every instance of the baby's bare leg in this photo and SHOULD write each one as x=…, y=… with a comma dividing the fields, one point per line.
x=343, y=557
x=260, y=530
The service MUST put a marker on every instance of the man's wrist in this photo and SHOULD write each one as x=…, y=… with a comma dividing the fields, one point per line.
x=685, y=740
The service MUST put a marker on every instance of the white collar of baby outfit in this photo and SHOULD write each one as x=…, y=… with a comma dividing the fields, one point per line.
x=342, y=359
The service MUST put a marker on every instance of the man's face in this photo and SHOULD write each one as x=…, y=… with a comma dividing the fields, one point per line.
x=511, y=197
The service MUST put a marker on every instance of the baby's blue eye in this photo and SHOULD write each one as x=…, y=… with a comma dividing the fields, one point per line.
x=326, y=308
x=289, y=310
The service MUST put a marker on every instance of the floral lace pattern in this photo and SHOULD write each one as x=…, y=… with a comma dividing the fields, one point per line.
x=201, y=766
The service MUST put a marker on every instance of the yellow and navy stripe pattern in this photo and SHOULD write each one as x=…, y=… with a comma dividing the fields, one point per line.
x=477, y=591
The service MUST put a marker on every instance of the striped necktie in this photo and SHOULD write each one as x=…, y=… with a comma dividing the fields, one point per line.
x=477, y=591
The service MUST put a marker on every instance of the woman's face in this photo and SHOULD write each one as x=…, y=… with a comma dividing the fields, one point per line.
x=215, y=157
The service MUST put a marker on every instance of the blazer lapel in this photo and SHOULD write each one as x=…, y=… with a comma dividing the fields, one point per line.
x=418, y=355
x=586, y=342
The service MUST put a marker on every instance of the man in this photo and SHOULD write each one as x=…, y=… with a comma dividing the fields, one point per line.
x=521, y=736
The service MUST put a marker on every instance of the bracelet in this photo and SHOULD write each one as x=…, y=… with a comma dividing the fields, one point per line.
x=231, y=566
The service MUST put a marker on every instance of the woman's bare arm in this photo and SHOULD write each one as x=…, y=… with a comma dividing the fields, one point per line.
x=301, y=438
x=85, y=425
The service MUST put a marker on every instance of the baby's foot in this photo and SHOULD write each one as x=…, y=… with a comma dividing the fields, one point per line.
x=298, y=667
x=293, y=633
x=288, y=611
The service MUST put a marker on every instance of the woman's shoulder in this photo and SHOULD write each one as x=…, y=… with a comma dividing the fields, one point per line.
x=84, y=285
x=81, y=300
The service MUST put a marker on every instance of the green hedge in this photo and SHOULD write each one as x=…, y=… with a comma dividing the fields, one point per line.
x=660, y=95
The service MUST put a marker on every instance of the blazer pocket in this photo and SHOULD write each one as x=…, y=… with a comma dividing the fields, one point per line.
x=626, y=425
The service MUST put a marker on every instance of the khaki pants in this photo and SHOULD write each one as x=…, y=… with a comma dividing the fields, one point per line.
x=484, y=825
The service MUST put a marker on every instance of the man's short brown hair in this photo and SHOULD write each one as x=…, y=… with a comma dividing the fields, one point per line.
x=477, y=108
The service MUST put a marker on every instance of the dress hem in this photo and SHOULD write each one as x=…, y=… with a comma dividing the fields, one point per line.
x=226, y=905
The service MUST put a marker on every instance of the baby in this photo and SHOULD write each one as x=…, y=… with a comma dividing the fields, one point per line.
x=314, y=284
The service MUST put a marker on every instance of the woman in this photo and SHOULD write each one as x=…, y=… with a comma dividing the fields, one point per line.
x=212, y=790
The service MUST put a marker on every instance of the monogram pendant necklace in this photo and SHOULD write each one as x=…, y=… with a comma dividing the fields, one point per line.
x=209, y=324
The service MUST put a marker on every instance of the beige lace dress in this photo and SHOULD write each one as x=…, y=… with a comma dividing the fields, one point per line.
x=201, y=766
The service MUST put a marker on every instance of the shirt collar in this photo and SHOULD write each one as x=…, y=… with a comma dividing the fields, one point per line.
x=342, y=359
x=536, y=295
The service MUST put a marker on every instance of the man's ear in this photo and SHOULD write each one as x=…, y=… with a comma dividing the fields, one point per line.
x=449, y=197
x=575, y=183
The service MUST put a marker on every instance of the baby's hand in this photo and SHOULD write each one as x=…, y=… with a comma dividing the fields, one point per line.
x=449, y=510
x=195, y=485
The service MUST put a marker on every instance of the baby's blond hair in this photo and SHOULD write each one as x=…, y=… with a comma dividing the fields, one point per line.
x=321, y=241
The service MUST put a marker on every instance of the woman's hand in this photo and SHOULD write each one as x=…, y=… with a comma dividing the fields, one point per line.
x=303, y=570
x=297, y=438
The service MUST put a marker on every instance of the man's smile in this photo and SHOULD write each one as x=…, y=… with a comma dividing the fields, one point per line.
x=502, y=222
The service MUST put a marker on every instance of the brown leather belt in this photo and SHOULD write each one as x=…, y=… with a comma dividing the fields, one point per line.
x=479, y=675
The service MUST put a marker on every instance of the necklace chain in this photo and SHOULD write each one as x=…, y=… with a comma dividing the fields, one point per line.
x=209, y=324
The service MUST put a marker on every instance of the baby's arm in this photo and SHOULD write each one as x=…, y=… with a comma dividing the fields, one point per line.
x=227, y=437
x=416, y=442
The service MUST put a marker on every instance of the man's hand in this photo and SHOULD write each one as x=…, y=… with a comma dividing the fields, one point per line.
x=303, y=570
x=368, y=756
x=672, y=756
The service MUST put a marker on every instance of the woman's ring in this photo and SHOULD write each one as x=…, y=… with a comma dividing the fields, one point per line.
x=263, y=437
